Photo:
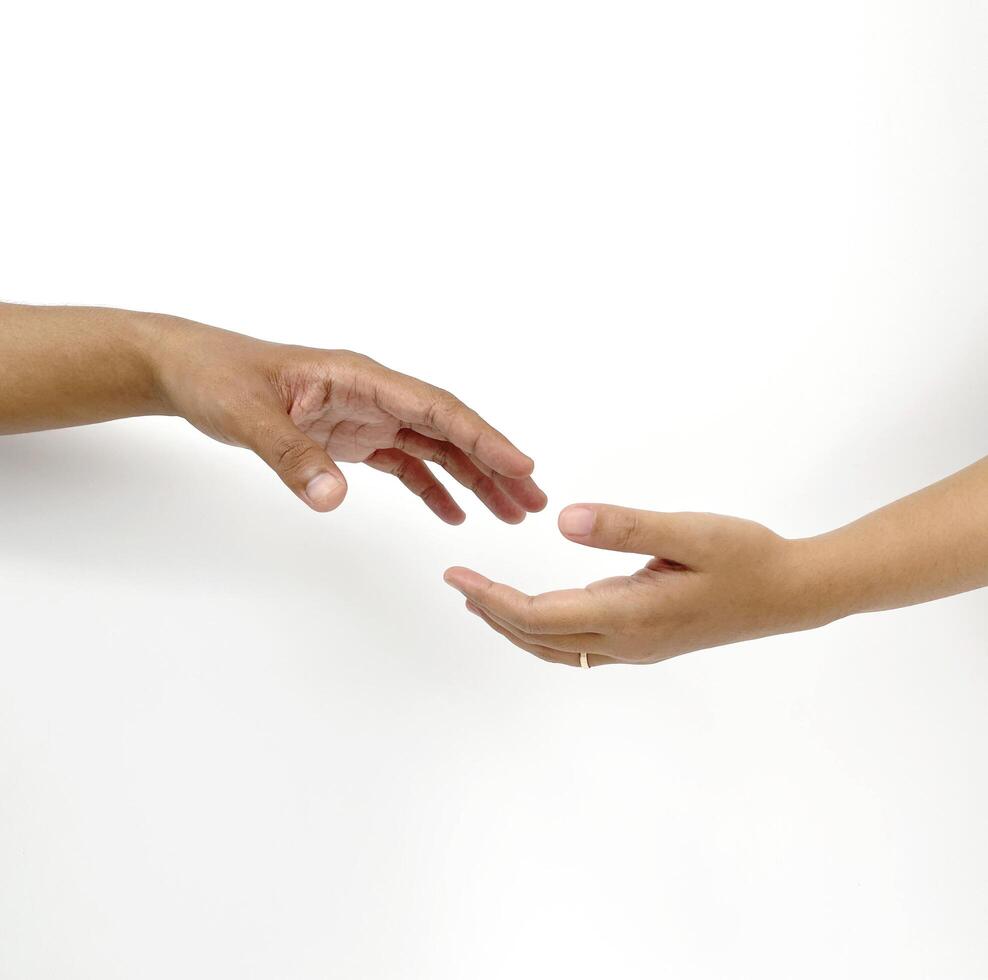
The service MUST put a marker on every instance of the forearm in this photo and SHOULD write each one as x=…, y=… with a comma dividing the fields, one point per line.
x=928, y=545
x=65, y=365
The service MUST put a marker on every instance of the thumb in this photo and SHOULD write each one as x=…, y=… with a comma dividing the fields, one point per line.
x=302, y=464
x=681, y=537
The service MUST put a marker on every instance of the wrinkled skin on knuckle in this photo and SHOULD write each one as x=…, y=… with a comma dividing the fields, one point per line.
x=317, y=361
x=401, y=469
x=528, y=619
x=290, y=455
x=431, y=493
x=441, y=408
x=337, y=375
x=440, y=456
x=626, y=528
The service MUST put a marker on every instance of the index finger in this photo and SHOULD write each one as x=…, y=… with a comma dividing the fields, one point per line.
x=414, y=401
x=566, y=611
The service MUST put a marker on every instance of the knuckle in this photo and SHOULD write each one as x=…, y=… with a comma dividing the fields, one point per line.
x=433, y=417
x=442, y=405
x=628, y=526
x=440, y=456
x=429, y=492
x=400, y=469
x=528, y=616
x=352, y=363
x=290, y=453
x=482, y=485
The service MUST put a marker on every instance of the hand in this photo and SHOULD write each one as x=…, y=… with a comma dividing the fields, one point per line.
x=303, y=410
x=711, y=580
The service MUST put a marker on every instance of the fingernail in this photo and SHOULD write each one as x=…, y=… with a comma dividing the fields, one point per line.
x=576, y=521
x=322, y=489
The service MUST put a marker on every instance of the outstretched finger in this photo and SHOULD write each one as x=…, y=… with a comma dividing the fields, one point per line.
x=687, y=539
x=536, y=649
x=569, y=611
x=415, y=475
x=524, y=489
x=439, y=411
x=563, y=642
x=459, y=466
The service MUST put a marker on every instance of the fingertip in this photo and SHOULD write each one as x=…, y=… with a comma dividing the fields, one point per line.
x=576, y=521
x=541, y=502
x=464, y=579
x=324, y=508
x=446, y=508
x=514, y=464
x=325, y=492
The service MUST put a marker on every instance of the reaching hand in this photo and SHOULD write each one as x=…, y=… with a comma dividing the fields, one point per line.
x=303, y=410
x=712, y=580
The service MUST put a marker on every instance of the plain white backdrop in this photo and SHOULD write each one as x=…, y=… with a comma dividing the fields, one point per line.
x=707, y=256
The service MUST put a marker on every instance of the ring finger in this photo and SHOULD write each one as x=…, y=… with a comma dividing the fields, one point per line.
x=538, y=649
x=463, y=469
x=562, y=642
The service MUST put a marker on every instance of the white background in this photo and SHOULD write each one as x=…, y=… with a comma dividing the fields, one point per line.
x=709, y=256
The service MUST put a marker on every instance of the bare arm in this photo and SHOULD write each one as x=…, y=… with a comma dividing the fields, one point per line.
x=64, y=365
x=928, y=545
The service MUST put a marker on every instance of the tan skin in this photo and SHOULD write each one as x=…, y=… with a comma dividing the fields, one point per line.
x=300, y=410
x=714, y=580
x=709, y=580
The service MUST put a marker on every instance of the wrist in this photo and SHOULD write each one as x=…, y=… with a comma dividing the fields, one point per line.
x=164, y=342
x=146, y=336
x=820, y=589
